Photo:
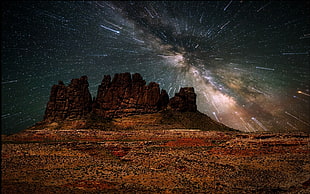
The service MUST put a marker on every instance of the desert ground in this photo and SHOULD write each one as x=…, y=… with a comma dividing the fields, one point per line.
x=67, y=160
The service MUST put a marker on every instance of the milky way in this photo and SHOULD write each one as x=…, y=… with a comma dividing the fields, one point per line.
x=248, y=61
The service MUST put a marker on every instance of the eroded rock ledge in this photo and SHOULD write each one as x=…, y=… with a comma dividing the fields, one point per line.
x=124, y=95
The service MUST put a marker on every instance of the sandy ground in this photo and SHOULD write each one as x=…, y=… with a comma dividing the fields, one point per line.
x=154, y=161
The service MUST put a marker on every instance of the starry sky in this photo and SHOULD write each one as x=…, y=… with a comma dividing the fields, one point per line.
x=247, y=60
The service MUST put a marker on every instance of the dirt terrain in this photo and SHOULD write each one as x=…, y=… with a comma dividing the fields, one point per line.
x=75, y=159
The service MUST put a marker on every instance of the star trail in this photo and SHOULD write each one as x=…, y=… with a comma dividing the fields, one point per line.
x=248, y=61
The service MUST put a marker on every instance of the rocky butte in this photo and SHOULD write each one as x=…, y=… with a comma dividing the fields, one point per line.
x=122, y=96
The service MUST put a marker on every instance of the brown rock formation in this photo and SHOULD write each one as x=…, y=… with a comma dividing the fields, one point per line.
x=124, y=95
x=184, y=101
x=72, y=101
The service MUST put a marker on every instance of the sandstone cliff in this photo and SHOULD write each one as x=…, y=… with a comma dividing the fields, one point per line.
x=124, y=95
x=72, y=101
x=185, y=100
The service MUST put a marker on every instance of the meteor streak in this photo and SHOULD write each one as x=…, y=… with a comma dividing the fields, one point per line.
x=112, y=30
x=300, y=92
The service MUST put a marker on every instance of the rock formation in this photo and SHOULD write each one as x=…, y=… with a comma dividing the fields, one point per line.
x=185, y=100
x=72, y=101
x=124, y=95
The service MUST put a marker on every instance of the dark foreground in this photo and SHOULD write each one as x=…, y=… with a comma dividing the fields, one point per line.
x=154, y=161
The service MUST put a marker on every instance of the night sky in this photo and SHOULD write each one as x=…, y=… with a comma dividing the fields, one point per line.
x=248, y=61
